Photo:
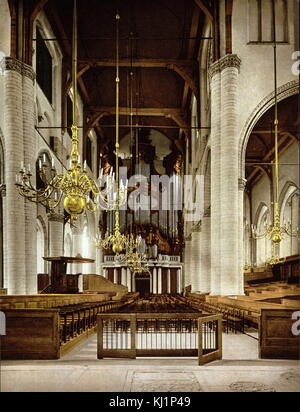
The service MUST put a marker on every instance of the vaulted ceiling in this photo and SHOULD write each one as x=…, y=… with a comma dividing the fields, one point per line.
x=159, y=45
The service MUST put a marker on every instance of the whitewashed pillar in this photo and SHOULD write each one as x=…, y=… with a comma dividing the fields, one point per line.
x=231, y=233
x=169, y=281
x=154, y=275
x=195, y=258
x=187, y=261
x=159, y=281
x=116, y=276
x=15, y=273
x=242, y=187
x=77, y=243
x=215, y=178
x=99, y=261
x=124, y=277
x=56, y=238
x=129, y=280
x=205, y=254
x=30, y=159
x=179, y=281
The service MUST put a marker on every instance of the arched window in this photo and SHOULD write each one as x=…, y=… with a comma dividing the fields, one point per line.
x=44, y=66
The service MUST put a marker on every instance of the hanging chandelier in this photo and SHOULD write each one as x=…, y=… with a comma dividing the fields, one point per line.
x=79, y=192
x=275, y=232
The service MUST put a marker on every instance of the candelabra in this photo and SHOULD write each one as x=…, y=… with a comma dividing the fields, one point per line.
x=79, y=191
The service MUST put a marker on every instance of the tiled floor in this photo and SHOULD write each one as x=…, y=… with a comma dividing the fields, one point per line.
x=80, y=371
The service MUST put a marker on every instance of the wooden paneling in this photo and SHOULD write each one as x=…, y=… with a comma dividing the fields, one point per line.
x=173, y=281
x=276, y=340
x=31, y=334
x=50, y=301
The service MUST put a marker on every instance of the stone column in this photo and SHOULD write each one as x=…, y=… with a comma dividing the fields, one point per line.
x=115, y=276
x=129, y=280
x=230, y=235
x=30, y=158
x=187, y=261
x=15, y=274
x=154, y=274
x=169, y=281
x=215, y=178
x=77, y=245
x=242, y=186
x=204, y=254
x=179, y=281
x=195, y=258
x=124, y=277
x=56, y=236
x=159, y=281
x=99, y=261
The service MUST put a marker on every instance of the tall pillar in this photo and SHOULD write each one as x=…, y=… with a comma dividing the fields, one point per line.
x=187, y=261
x=159, y=281
x=15, y=274
x=124, y=277
x=195, y=260
x=179, y=281
x=115, y=276
x=204, y=254
x=30, y=158
x=129, y=280
x=229, y=225
x=215, y=178
x=99, y=261
x=242, y=187
x=77, y=245
x=154, y=276
x=169, y=281
x=56, y=236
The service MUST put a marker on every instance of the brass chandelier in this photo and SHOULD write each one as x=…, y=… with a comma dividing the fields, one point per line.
x=275, y=232
x=79, y=191
x=117, y=241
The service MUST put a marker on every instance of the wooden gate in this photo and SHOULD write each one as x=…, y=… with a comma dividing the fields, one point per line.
x=154, y=334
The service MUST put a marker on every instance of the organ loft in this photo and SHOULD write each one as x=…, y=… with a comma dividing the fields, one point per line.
x=149, y=195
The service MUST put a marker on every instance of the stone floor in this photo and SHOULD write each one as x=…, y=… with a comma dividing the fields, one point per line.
x=80, y=371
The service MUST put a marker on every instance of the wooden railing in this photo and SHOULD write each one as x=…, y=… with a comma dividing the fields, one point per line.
x=160, y=334
x=48, y=333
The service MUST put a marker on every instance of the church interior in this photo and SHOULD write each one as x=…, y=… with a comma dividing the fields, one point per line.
x=149, y=196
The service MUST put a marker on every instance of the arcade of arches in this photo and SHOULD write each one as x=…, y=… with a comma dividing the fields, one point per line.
x=196, y=99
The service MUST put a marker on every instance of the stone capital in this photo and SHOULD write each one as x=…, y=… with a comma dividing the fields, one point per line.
x=11, y=64
x=228, y=61
x=28, y=71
